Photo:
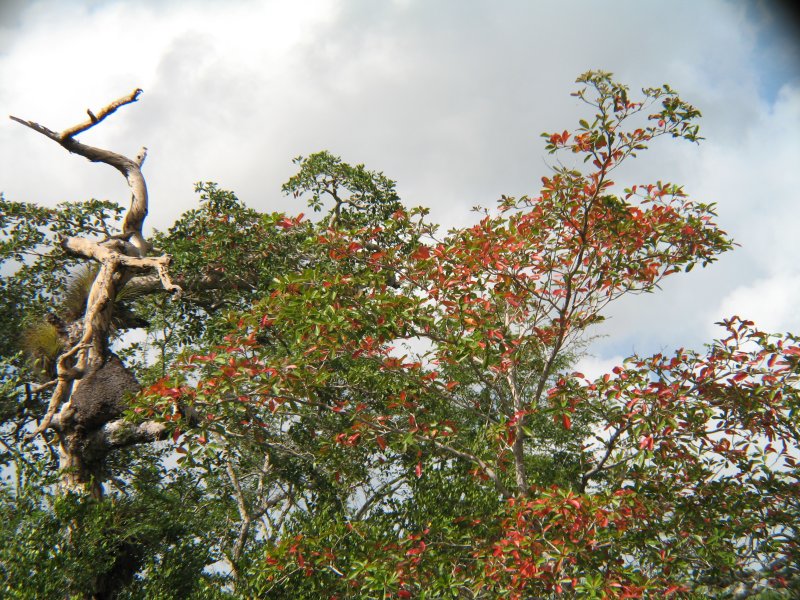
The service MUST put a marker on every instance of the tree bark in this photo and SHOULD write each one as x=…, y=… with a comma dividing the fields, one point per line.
x=88, y=394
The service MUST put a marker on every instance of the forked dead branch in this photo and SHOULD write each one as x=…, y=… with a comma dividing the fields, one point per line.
x=120, y=258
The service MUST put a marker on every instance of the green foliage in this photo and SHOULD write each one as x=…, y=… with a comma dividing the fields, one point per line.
x=231, y=253
x=143, y=534
x=360, y=197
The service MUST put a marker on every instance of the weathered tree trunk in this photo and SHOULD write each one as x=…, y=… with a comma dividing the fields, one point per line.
x=96, y=399
x=76, y=473
x=88, y=397
x=91, y=385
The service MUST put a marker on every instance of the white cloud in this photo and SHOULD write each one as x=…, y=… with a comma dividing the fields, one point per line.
x=448, y=98
x=593, y=367
x=773, y=303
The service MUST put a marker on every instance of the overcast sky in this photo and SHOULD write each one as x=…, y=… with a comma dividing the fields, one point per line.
x=446, y=97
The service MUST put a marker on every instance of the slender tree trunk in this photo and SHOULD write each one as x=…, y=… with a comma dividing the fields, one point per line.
x=518, y=445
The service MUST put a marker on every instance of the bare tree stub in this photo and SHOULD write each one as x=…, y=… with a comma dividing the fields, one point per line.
x=85, y=406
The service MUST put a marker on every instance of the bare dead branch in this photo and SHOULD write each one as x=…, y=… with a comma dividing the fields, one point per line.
x=141, y=156
x=142, y=285
x=131, y=169
x=96, y=319
x=42, y=387
x=102, y=114
x=38, y=128
x=163, y=275
x=108, y=251
x=121, y=433
x=119, y=257
x=66, y=376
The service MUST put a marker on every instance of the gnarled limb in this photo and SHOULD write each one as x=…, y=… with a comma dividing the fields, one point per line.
x=63, y=385
x=130, y=168
x=121, y=433
x=102, y=114
x=110, y=252
x=140, y=285
x=121, y=258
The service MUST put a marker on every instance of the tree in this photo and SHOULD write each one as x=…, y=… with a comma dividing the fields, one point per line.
x=331, y=462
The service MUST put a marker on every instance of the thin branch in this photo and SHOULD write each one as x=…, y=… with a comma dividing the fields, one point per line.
x=143, y=285
x=601, y=465
x=481, y=463
x=66, y=376
x=101, y=114
x=387, y=488
x=244, y=515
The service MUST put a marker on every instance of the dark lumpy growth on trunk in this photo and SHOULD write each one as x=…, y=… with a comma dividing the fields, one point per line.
x=101, y=395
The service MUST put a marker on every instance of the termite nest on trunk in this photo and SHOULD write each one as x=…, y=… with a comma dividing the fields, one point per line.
x=102, y=394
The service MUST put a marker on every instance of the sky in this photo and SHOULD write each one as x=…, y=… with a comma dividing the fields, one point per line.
x=448, y=97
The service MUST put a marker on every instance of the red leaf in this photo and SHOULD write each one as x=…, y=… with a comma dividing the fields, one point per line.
x=421, y=253
x=672, y=589
x=566, y=421
x=418, y=470
x=381, y=442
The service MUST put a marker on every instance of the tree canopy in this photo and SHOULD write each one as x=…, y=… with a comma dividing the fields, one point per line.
x=360, y=405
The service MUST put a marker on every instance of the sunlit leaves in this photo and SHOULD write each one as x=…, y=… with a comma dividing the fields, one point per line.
x=413, y=396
